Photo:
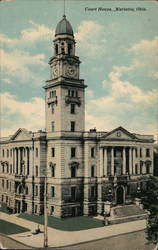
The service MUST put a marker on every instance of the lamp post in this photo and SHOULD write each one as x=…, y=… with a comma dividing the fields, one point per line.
x=45, y=213
x=110, y=194
x=138, y=192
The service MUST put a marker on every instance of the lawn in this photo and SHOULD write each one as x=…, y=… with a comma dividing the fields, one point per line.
x=66, y=224
x=10, y=228
x=4, y=209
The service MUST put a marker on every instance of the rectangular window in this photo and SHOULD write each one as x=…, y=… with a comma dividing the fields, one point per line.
x=3, y=153
x=72, y=108
x=36, y=171
x=72, y=126
x=53, y=152
x=92, y=171
x=52, y=210
x=92, y=152
x=148, y=168
x=73, y=172
x=136, y=168
x=36, y=152
x=3, y=183
x=7, y=152
x=147, y=152
x=36, y=190
x=53, y=126
x=140, y=152
x=53, y=171
x=53, y=191
x=73, y=193
x=11, y=152
x=7, y=184
x=35, y=209
x=92, y=192
x=73, y=152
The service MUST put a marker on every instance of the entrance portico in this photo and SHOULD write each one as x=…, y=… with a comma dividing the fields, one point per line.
x=118, y=160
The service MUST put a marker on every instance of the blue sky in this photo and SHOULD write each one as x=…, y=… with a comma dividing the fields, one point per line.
x=118, y=50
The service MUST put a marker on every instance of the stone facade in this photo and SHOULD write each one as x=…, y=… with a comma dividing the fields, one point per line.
x=83, y=169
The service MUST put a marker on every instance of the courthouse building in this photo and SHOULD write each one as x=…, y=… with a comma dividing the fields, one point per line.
x=84, y=168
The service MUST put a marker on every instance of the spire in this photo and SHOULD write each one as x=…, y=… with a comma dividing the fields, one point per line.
x=64, y=16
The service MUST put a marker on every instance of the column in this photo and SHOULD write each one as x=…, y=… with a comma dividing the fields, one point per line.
x=99, y=200
x=134, y=154
x=130, y=160
x=16, y=160
x=112, y=161
x=19, y=161
x=105, y=162
x=124, y=160
x=26, y=161
x=13, y=160
x=101, y=162
x=31, y=160
x=139, y=160
x=86, y=180
x=86, y=162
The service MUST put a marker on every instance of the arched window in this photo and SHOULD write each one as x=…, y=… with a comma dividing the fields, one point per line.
x=69, y=49
x=56, y=49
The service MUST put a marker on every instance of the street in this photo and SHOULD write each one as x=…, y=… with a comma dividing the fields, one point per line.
x=130, y=241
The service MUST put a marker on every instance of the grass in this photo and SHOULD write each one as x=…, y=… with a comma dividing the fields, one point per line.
x=66, y=224
x=10, y=228
x=4, y=209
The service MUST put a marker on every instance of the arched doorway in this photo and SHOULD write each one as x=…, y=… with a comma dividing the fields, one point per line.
x=120, y=195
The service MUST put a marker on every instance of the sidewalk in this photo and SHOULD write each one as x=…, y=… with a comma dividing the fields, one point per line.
x=58, y=238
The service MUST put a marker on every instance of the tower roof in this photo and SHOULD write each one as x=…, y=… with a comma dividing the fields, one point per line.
x=64, y=27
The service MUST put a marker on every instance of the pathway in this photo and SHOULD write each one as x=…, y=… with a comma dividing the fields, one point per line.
x=58, y=238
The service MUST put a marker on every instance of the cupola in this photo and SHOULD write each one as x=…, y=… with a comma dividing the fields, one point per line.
x=64, y=27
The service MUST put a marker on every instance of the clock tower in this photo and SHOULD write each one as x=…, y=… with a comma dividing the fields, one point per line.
x=65, y=102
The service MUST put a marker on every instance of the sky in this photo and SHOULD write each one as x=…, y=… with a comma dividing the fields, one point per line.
x=118, y=51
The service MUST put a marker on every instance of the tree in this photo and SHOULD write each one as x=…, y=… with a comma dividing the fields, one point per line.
x=150, y=201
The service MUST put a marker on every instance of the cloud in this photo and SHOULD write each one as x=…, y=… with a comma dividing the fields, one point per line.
x=16, y=63
x=90, y=93
x=146, y=46
x=90, y=38
x=6, y=80
x=33, y=34
x=146, y=53
x=17, y=114
x=7, y=0
x=125, y=104
x=154, y=75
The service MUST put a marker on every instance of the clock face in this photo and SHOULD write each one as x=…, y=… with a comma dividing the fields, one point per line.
x=71, y=71
x=118, y=134
x=55, y=71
